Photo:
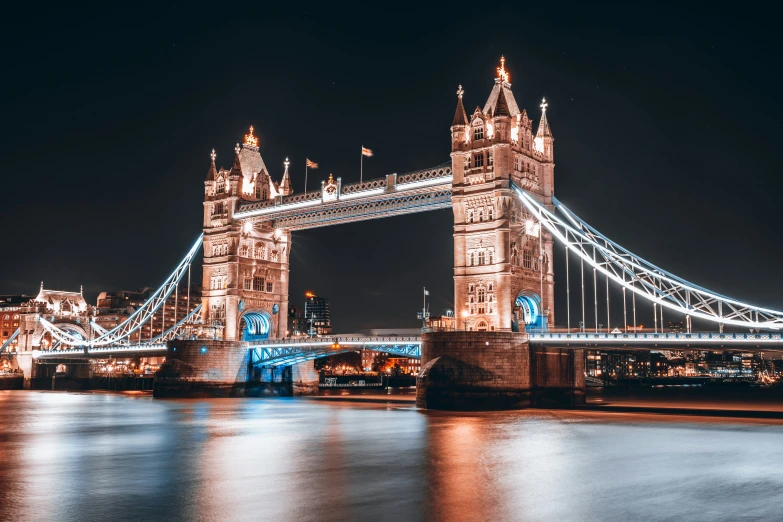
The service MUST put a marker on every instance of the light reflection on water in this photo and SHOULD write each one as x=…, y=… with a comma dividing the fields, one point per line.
x=104, y=456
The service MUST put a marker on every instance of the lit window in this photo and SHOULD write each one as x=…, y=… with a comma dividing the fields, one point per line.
x=527, y=259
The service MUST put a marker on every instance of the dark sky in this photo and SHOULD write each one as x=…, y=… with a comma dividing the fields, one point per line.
x=666, y=125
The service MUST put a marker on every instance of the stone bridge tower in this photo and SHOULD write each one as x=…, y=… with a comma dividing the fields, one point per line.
x=503, y=274
x=245, y=285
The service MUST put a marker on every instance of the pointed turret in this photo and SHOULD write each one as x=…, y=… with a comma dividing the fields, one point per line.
x=212, y=174
x=285, y=183
x=236, y=168
x=460, y=118
x=501, y=108
x=543, y=127
x=502, y=86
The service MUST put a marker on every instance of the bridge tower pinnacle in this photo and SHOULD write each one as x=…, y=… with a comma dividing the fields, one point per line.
x=503, y=278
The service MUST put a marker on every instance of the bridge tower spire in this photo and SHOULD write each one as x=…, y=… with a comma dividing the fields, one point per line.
x=502, y=258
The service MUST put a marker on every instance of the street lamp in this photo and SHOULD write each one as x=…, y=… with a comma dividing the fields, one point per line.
x=465, y=314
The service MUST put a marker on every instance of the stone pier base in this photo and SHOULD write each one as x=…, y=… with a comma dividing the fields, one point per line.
x=204, y=368
x=496, y=370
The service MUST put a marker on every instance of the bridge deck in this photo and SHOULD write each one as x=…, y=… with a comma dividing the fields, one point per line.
x=292, y=351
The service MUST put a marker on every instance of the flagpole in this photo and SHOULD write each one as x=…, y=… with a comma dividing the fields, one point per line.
x=305, y=175
x=361, y=164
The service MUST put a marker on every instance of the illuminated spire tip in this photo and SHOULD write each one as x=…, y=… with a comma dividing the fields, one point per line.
x=250, y=139
x=502, y=73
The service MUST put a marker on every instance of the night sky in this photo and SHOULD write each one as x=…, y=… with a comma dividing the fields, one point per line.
x=666, y=125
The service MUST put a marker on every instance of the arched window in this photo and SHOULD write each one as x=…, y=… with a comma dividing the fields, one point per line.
x=470, y=216
x=491, y=257
x=481, y=258
x=472, y=258
x=481, y=326
x=490, y=213
x=490, y=287
x=482, y=295
x=478, y=133
x=221, y=186
x=480, y=216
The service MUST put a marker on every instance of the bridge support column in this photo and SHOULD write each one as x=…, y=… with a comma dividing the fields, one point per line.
x=212, y=368
x=496, y=370
x=203, y=368
x=24, y=362
x=286, y=381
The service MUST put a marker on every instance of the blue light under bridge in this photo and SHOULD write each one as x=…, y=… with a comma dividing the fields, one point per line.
x=285, y=353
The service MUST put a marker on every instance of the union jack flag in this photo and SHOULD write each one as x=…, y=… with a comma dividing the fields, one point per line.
x=311, y=164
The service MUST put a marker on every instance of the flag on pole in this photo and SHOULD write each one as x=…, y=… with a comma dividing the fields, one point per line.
x=426, y=292
x=311, y=164
x=366, y=152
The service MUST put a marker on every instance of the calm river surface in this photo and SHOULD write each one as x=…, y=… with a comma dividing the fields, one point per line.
x=93, y=456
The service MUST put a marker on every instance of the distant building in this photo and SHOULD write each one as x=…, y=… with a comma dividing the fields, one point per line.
x=297, y=324
x=317, y=314
x=442, y=323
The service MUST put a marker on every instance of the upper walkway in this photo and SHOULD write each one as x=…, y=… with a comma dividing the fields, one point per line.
x=334, y=203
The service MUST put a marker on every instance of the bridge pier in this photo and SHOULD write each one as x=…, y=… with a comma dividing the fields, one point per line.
x=212, y=368
x=496, y=370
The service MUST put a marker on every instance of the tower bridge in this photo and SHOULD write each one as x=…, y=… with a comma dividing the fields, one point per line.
x=499, y=184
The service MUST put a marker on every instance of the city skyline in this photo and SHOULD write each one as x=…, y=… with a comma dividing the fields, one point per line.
x=667, y=154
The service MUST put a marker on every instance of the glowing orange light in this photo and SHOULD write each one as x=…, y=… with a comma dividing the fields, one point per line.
x=309, y=294
x=502, y=73
x=250, y=139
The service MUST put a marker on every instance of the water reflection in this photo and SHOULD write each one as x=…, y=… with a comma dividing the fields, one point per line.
x=101, y=456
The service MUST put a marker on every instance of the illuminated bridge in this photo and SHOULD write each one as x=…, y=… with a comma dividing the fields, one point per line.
x=637, y=278
x=507, y=225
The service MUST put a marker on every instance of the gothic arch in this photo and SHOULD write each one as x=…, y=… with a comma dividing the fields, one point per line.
x=528, y=312
x=256, y=325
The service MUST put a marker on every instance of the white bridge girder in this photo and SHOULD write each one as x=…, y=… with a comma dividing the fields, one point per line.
x=393, y=195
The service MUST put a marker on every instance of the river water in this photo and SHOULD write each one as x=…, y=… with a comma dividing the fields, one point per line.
x=95, y=456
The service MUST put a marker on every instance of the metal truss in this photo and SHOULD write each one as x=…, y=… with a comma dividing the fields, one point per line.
x=373, y=207
x=643, y=278
x=645, y=339
x=144, y=349
x=418, y=191
x=136, y=320
x=275, y=353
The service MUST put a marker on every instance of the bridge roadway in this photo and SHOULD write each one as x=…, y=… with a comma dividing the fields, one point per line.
x=292, y=351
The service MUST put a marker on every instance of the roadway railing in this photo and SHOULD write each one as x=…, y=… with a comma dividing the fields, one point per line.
x=645, y=338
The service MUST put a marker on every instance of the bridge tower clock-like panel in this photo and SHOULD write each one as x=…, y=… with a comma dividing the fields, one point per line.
x=245, y=280
x=503, y=276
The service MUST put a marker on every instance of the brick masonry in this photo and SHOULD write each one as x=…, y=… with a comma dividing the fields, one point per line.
x=216, y=368
x=496, y=370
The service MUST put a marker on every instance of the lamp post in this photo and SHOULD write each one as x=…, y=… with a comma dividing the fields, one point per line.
x=465, y=314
